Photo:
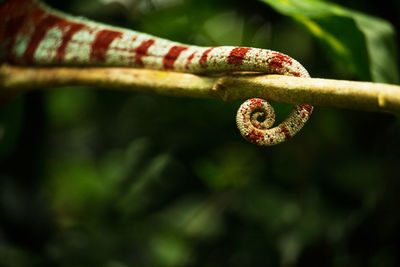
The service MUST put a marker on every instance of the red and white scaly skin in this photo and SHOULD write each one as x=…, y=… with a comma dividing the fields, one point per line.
x=34, y=34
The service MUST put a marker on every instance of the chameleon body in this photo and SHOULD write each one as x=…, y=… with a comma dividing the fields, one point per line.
x=32, y=33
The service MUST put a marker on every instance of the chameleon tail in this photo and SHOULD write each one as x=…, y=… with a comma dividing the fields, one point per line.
x=33, y=34
x=16, y=16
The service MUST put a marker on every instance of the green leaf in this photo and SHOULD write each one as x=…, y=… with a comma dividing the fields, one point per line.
x=361, y=43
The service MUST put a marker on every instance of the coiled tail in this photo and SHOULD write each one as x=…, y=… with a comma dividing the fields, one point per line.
x=32, y=33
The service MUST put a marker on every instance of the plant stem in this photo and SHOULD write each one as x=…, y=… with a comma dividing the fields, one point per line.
x=230, y=87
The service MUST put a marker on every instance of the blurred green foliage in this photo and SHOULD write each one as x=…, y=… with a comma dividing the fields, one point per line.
x=104, y=178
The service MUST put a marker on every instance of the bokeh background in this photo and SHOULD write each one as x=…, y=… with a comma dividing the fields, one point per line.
x=103, y=178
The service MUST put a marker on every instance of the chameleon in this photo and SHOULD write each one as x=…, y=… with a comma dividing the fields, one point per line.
x=34, y=34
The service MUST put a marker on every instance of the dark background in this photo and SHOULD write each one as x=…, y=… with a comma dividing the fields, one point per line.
x=103, y=178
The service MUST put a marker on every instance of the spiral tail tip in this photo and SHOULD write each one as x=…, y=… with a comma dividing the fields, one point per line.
x=254, y=118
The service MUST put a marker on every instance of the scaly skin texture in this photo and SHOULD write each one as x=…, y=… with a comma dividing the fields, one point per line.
x=34, y=34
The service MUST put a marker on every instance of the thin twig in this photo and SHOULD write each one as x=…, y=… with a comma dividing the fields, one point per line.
x=230, y=87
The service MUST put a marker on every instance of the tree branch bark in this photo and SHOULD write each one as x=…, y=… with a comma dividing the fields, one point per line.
x=365, y=96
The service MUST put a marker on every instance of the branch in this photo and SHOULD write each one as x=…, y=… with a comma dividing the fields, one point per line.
x=230, y=87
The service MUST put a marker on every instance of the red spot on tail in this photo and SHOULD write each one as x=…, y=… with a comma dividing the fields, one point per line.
x=141, y=51
x=203, y=59
x=72, y=29
x=189, y=59
x=307, y=108
x=285, y=131
x=255, y=136
x=257, y=102
x=101, y=43
x=295, y=73
x=40, y=32
x=237, y=55
x=170, y=58
x=277, y=61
